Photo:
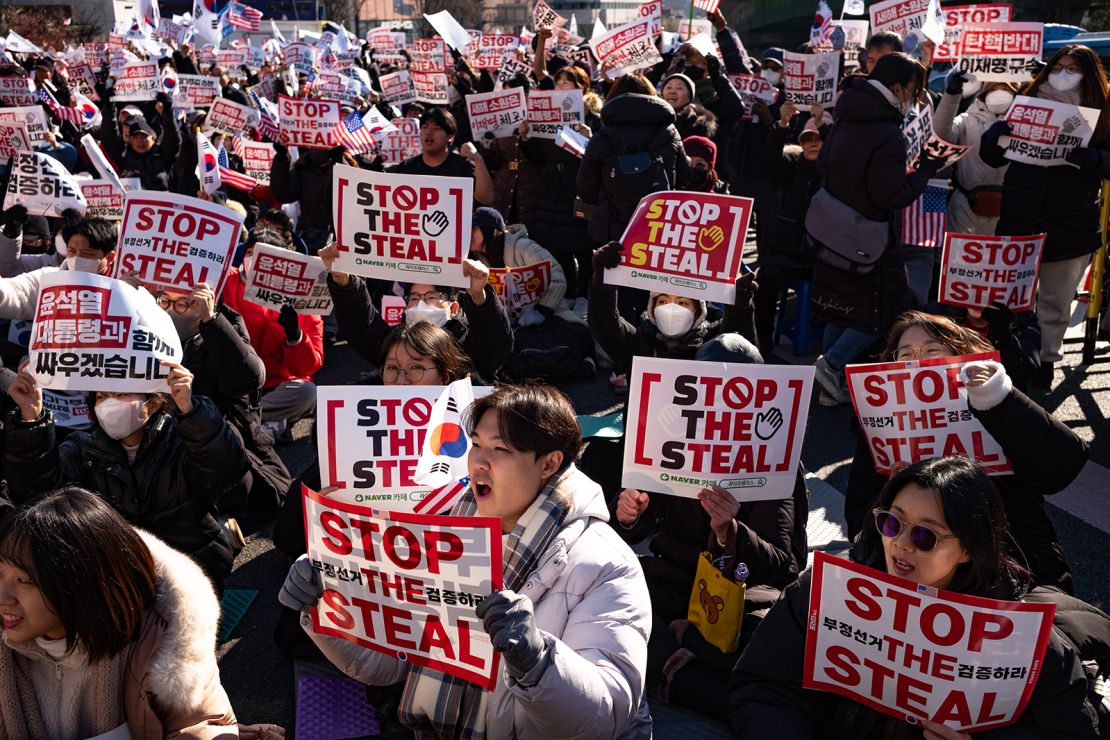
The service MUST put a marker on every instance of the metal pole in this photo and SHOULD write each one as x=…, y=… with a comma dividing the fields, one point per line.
x=690, y=28
x=1094, y=295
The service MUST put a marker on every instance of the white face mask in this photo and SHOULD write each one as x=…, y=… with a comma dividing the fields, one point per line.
x=437, y=316
x=771, y=76
x=672, y=319
x=119, y=418
x=1064, y=80
x=998, y=101
x=83, y=264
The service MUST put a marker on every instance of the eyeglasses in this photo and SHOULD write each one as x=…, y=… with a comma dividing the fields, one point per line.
x=432, y=296
x=921, y=537
x=412, y=373
x=932, y=349
x=1073, y=68
x=179, y=305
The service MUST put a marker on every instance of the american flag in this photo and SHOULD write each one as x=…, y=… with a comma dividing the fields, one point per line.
x=84, y=115
x=232, y=177
x=441, y=500
x=329, y=60
x=709, y=6
x=268, y=123
x=822, y=24
x=237, y=147
x=355, y=134
x=923, y=221
x=244, y=17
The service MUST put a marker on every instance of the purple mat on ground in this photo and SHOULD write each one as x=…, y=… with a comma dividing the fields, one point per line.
x=333, y=708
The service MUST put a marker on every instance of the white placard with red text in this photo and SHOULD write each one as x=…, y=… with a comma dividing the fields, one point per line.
x=899, y=16
x=979, y=271
x=499, y=113
x=1000, y=52
x=196, y=91
x=493, y=48
x=300, y=55
x=855, y=38
x=914, y=652
x=137, y=81
x=17, y=90
x=280, y=277
x=103, y=199
x=653, y=10
x=406, y=584
x=627, y=48
x=92, y=333
x=520, y=287
x=176, y=242
x=258, y=159
x=1044, y=131
x=230, y=118
x=402, y=143
x=14, y=139
x=409, y=228
x=393, y=309
x=956, y=17
x=311, y=124
x=32, y=117
x=430, y=87
x=550, y=110
x=685, y=243
x=397, y=88
x=692, y=425
x=916, y=409
x=753, y=88
x=810, y=78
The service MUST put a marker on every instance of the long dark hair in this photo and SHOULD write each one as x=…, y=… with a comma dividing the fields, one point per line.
x=961, y=340
x=91, y=566
x=431, y=341
x=1093, y=93
x=899, y=69
x=973, y=510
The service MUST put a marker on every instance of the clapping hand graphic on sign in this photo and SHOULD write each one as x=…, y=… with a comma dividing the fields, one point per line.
x=434, y=223
x=768, y=423
x=711, y=238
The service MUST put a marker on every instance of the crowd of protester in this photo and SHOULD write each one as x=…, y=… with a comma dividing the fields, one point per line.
x=106, y=622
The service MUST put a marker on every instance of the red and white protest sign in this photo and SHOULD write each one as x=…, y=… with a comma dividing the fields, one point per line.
x=810, y=78
x=176, y=242
x=427, y=56
x=688, y=244
x=430, y=87
x=499, y=113
x=1044, y=131
x=70, y=410
x=914, y=652
x=14, y=138
x=627, y=48
x=979, y=271
x=544, y=16
x=492, y=49
x=301, y=55
x=369, y=440
x=403, y=143
x=338, y=87
x=258, y=158
x=196, y=91
x=170, y=31
x=393, y=309
x=409, y=228
x=33, y=119
x=938, y=148
x=82, y=79
x=753, y=89
x=855, y=37
x=310, y=124
x=653, y=11
x=1000, y=52
x=397, y=87
x=280, y=277
x=17, y=90
x=40, y=183
x=520, y=287
x=916, y=409
x=104, y=200
x=406, y=584
x=551, y=110
x=692, y=425
x=137, y=81
x=899, y=16
x=92, y=333
x=381, y=39
x=956, y=17
x=232, y=58
x=230, y=118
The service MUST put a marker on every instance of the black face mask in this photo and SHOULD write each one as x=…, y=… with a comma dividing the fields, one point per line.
x=698, y=176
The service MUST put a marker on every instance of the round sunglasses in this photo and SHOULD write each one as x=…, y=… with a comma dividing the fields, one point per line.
x=922, y=538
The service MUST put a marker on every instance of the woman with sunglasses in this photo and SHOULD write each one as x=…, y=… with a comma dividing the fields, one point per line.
x=1046, y=456
x=940, y=523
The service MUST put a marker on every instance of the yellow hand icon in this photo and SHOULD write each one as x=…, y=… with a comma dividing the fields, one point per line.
x=711, y=238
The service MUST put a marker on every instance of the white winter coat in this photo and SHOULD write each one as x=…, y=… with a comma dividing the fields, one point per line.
x=13, y=262
x=971, y=171
x=593, y=610
x=19, y=295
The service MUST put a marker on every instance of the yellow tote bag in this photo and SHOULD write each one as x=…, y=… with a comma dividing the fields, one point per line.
x=716, y=606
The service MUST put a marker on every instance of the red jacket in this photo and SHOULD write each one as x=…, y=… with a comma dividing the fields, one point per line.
x=283, y=362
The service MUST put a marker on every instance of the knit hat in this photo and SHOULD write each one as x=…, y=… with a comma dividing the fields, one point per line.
x=684, y=80
x=488, y=220
x=36, y=228
x=699, y=146
x=729, y=348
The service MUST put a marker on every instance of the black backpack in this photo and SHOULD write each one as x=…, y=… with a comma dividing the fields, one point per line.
x=634, y=174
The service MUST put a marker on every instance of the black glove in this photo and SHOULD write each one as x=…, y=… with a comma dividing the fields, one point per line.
x=1084, y=158
x=510, y=621
x=1035, y=66
x=996, y=131
x=287, y=319
x=1001, y=318
x=14, y=218
x=280, y=150
x=713, y=65
x=745, y=290
x=956, y=79
x=607, y=257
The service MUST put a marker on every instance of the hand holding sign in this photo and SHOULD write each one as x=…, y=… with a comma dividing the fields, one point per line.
x=302, y=587
x=180, y=382
x=978, y=374
x=510, y=621
x=27, y=394
x=722, y=509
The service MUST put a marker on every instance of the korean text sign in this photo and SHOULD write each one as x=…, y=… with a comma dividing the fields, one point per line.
x=370, y=438
x=499, y=113
x=310, y=124
x=196, y=91
x=550, y=110
x=411, y=228
x=979, y=271
x=42, y=185
x=810, y=78
x=917, y=409
x=176, y=242
x=688, y=244
x=899, y=16
x=137, y=81
x=280, y=277
x=1000, y=52
x=914, y=652
x=230, y=118
x=1044, y=131
x=958, y=16
x=520, y=287
x=258, y=158
x=697, y=424
x=104, y=199
x=406, y=584
x=627, y=48
x=403, y=143
x=92, y=333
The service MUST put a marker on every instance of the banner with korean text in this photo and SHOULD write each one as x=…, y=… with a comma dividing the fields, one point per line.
x=498, y=113
x=280, y=277
x=979, y=271
x=1000, y=52
x=550, y=110
x=1044, y=131
x=627, y=48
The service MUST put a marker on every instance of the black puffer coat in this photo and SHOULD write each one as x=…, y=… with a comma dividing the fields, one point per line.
x=308, y=181
x=630, y=124
x=863, y=162
x=766, y=698
x=184, y=465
